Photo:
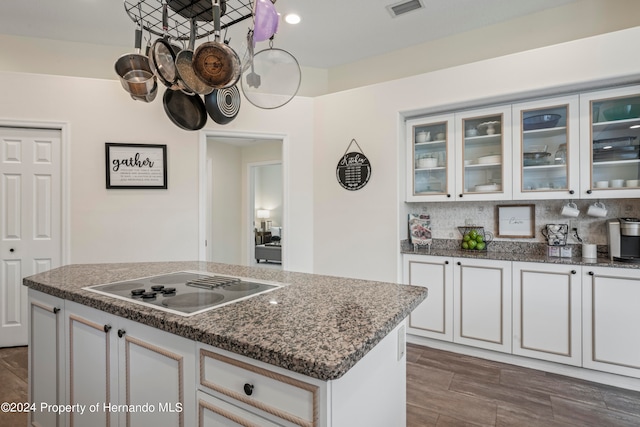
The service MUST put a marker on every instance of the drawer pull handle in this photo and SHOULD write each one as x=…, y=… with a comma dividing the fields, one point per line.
x=248, y=389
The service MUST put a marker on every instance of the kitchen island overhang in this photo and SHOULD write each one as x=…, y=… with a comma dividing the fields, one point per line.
x=316, y=325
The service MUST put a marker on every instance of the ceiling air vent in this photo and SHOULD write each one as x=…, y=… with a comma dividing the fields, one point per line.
x=403, y=7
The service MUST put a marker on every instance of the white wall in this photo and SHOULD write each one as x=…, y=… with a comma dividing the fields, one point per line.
x=225, y=221
x=136, y=225
x=356, y=233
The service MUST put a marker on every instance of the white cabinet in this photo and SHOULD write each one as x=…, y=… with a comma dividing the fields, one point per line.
x=430, y=160
x=433, y=318
x=245, y=391
x=546, y=149
x=466, y=156
x=46, y=357
x=482, y=303
x=114, y=362
x=610, y=146
x=547, y=313
x=610, y=315
x=483, y=154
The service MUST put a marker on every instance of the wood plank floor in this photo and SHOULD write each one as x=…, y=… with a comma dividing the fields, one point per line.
x=448, y=389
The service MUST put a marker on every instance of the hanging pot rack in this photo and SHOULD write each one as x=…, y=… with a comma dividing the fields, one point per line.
x=148, y=15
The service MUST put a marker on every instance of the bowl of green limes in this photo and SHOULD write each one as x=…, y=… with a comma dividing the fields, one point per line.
x=474, y=238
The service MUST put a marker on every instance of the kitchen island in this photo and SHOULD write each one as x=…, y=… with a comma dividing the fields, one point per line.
x=319, y=351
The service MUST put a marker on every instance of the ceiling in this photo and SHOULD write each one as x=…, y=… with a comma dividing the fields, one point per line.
x=332, y=32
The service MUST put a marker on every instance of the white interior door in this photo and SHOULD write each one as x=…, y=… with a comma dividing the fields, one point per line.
x=30, y=220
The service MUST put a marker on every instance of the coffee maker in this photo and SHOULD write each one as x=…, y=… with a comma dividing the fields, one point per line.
x=624, y=239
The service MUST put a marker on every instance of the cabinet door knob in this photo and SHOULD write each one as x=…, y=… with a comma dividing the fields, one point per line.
x=589, y=191
x=459, y=263
x=446, y=262
x=573, y=272
x=591, y=273
x=248, y=389
x=12, y=250
x=460, y=195
x=107, y=328
x=121, y=333
x=571, y=192
x=55, y=310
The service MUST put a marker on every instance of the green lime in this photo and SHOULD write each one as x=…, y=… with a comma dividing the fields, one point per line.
x=466, y=237
x=472, y=244
x=473, y=234
x=479, y=238
x=481, y=245
x=465, y=245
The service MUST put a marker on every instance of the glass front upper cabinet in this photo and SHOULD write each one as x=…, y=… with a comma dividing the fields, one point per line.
x=430, y=160
x=546, y=151
x=611, y=145
x=484, y=154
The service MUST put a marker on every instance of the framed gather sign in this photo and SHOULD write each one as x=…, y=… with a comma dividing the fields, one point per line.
x=136, y=166
x=516, y=221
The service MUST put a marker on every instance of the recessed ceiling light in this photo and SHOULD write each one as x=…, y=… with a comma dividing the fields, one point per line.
x=292, y=18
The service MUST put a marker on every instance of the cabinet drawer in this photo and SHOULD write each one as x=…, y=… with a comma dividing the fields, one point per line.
x=276, y=394
x=213, y=412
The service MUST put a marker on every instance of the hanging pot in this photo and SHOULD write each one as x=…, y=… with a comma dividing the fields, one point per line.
x=215, y=63
x=162, y=57
x=134, y=70
x=184, y=66
x=185, y=111
x=265, y=20
x=223, y=104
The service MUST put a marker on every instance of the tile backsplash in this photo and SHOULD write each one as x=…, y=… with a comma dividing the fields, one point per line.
x=447, y=216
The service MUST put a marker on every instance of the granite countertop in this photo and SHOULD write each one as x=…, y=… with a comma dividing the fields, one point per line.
x=515, y=252
x=320, y=327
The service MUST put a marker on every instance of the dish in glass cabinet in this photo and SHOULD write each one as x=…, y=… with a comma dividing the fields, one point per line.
x=489, y=127
x=541, y=121
x=622, y=112
x=487, y=187
x=494, y=158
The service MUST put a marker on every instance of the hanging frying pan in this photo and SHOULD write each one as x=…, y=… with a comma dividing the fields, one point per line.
x=134, y=70
x=162, y=58
x=184, y=66
x=185, y=111
x=223, y=104
x=215, y=63
x=265, y=20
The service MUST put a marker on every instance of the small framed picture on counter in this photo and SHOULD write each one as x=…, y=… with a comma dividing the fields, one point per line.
x=136, y=166
x=516, y=221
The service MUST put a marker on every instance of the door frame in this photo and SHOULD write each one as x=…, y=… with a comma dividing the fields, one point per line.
x=65, y=181
x=203, y=186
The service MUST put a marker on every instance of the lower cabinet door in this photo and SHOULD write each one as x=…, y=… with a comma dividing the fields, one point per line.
x=92, y=375
x=46, y=358
x=610, y=314
x=214, y=412
x=157, y=376
x=482, y=303
x=546, y=312
x=433, y=318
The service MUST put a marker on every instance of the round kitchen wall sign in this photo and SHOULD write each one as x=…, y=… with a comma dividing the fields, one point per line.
x=354, y=169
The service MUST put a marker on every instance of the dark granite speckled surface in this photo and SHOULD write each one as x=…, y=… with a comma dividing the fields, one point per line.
x=320, y=327
x=513, y=251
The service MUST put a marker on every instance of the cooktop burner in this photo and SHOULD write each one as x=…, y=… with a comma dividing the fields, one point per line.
x=184, y=293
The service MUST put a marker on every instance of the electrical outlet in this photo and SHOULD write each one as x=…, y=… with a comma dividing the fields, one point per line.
x=573, y=225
